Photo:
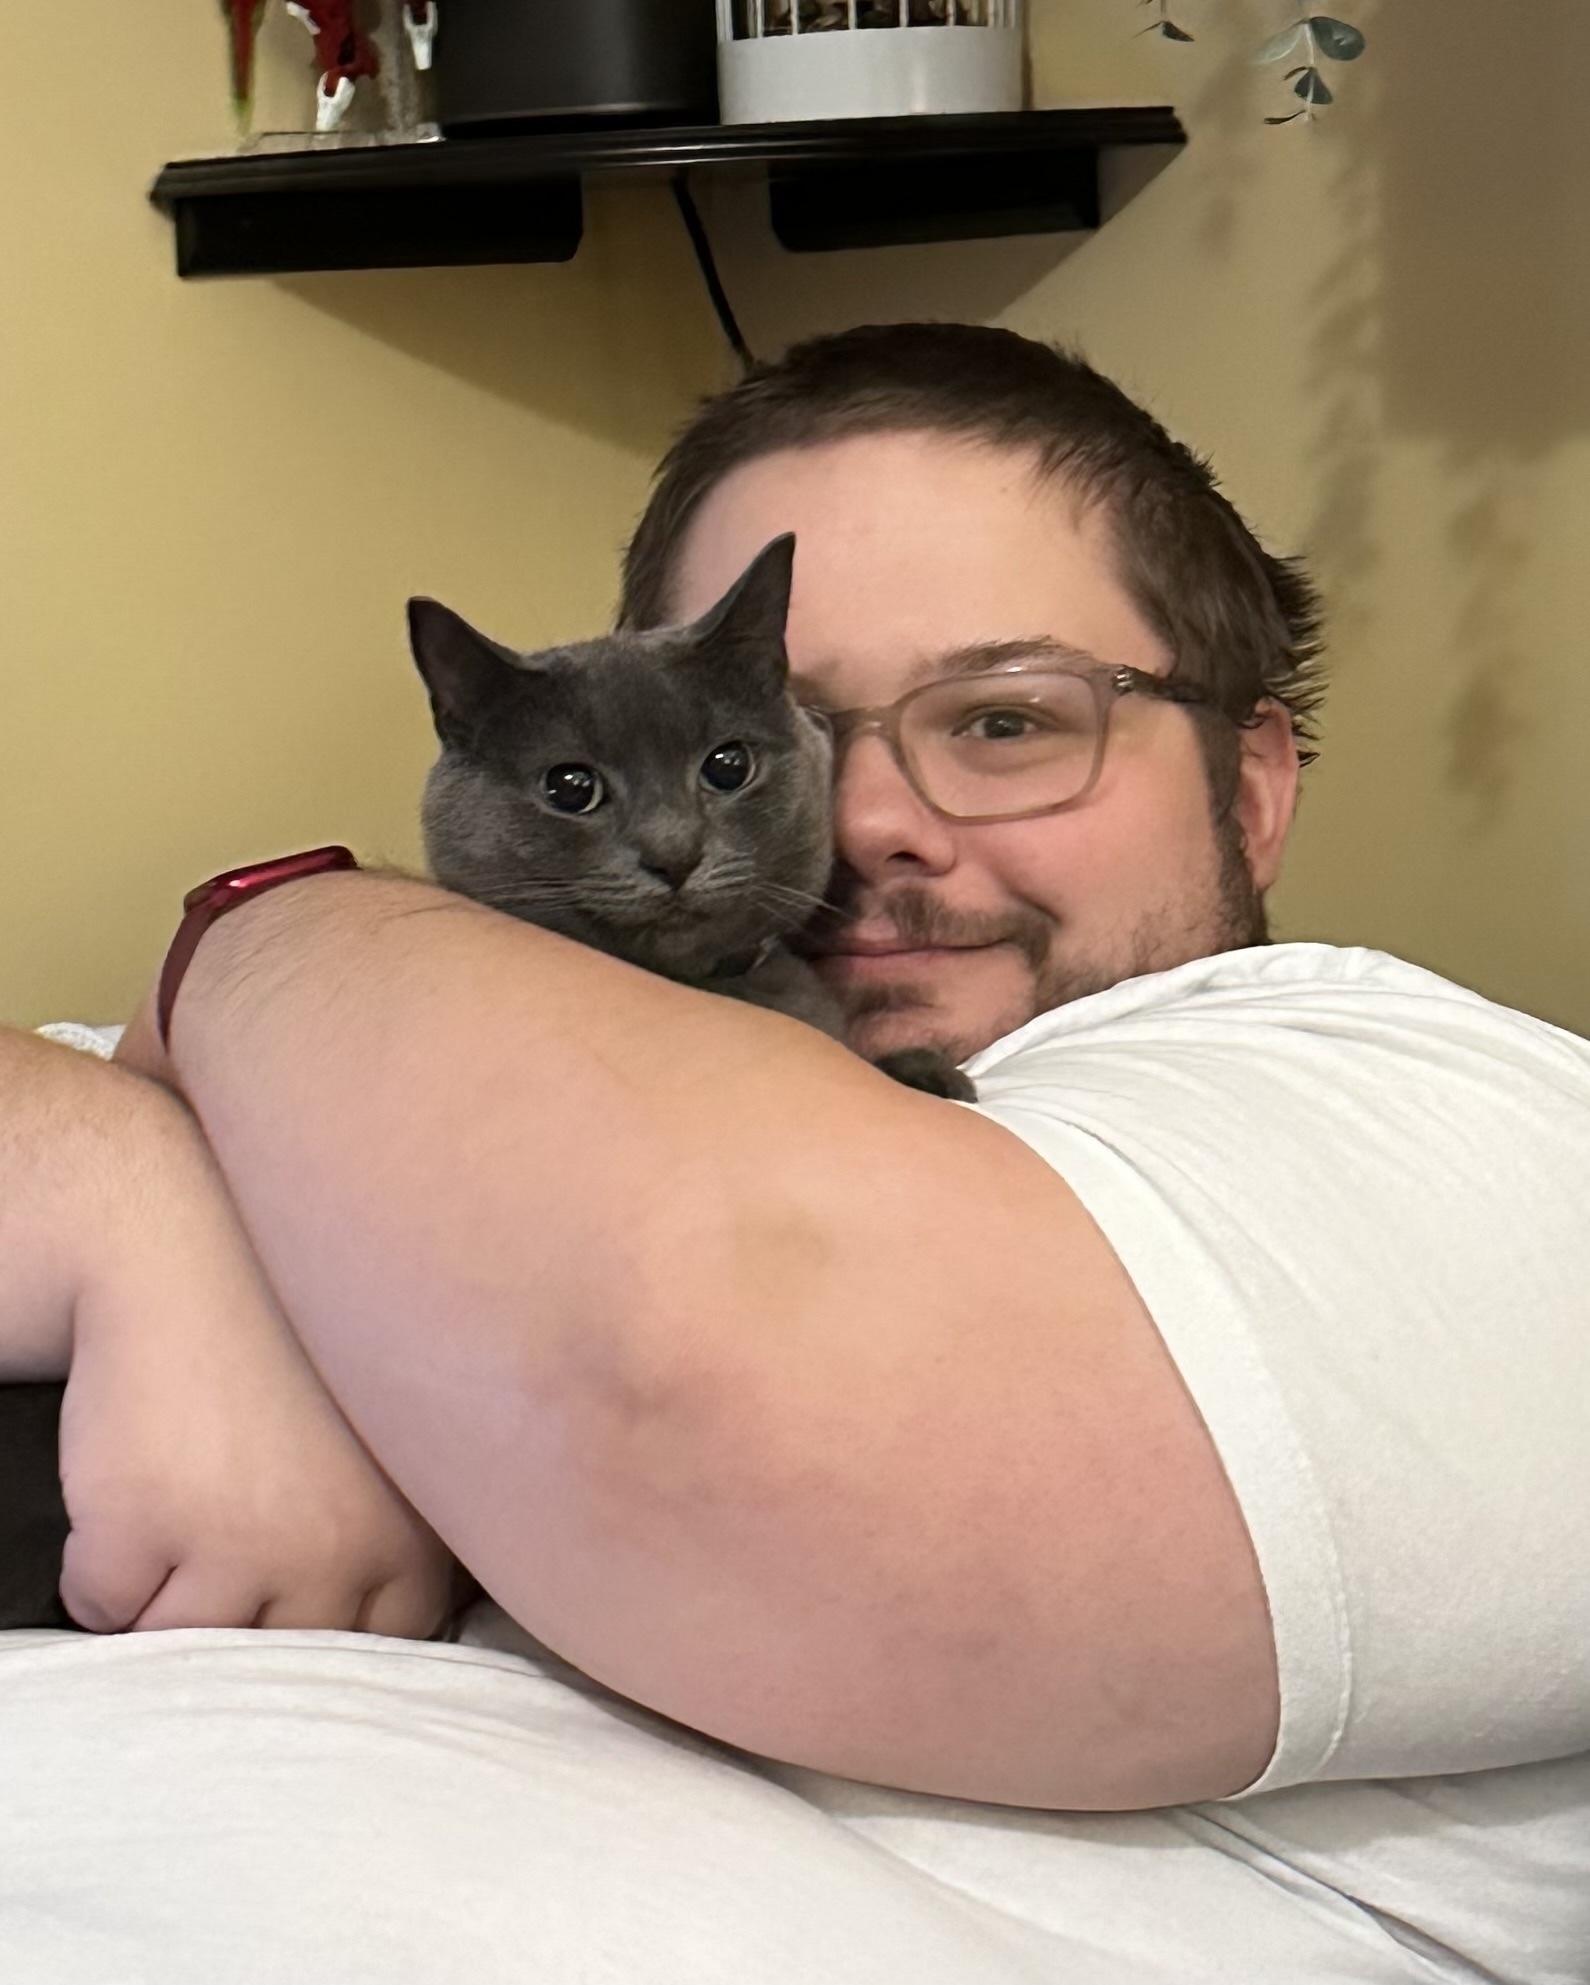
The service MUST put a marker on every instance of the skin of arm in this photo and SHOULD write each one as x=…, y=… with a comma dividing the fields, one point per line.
x=66, y=1127
x=208, y=1477
x=810, y=1411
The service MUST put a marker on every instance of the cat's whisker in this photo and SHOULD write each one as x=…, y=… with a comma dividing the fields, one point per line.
x=740, y=870
x=553, y=891
x=785, y=895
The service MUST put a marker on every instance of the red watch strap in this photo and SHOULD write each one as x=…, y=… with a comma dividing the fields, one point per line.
x=209, y=900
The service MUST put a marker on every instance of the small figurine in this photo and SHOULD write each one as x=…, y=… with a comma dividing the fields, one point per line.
x=419, y=17
x=344, y=52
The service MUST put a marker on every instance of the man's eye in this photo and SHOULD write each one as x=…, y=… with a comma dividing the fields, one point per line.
x=990, y=726
x=573, y=788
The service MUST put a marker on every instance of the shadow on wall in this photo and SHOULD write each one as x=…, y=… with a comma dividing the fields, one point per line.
x=1232, y=146
x=1447, y=306
x=779, y=297
x=1346, y=357
x=1488, y=285
x=617, y=344
x=1484, y=316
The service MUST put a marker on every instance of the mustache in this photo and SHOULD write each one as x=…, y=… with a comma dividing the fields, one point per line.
x=921, y=920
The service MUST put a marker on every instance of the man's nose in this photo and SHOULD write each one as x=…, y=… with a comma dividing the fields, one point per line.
x=881, y=825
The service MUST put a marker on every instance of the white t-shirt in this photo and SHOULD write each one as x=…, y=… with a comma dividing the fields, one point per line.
x=1356, y=1200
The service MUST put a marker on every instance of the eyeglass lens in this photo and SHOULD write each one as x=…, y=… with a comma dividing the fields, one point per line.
x=990, y=745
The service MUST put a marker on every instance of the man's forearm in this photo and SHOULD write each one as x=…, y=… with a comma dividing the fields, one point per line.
x=69, y=1131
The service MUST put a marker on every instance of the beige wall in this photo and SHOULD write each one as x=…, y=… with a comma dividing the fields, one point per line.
x=215, y=498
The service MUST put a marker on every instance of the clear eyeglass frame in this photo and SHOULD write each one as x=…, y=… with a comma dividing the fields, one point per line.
x=1108, y=683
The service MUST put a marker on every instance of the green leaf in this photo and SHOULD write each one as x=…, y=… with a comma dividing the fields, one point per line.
x=1339, y=40
x=1281, y=45
x=1312, y=88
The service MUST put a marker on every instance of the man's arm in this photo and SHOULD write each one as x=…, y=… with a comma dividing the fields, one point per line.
x=810, y=1411
x=69, y=1130
x=208, y=1477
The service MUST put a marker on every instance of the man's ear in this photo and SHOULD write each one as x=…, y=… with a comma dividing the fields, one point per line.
x=1266, y=796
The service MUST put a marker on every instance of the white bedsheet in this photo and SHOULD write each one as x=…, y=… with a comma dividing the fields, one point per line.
x=227, y=1808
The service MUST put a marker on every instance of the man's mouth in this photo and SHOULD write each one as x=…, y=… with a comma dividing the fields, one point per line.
x=855, y=943
x=850, y=956
x=850, y=944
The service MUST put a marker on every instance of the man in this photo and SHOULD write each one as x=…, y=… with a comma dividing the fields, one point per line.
x=1201, y=1412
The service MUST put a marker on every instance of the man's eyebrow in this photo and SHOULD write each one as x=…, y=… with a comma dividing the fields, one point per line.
x=978, y=657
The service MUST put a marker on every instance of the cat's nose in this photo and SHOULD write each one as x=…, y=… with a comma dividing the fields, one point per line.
x=675, y=866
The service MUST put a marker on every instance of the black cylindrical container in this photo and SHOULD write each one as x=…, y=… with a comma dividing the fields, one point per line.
x=528, y=65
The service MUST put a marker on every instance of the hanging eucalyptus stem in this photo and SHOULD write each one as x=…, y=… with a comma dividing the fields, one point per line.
x=1162, y=24
x=1312, y=38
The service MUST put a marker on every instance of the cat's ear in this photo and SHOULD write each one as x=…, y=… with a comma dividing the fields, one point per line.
x=463, y=670
x=746, y=627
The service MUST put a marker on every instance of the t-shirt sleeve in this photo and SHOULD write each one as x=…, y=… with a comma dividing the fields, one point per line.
x=1353, y=1198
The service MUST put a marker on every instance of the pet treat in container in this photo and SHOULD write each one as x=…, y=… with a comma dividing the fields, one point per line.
x=783, y=61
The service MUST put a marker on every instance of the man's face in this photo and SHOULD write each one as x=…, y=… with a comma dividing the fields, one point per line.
x=912, y=546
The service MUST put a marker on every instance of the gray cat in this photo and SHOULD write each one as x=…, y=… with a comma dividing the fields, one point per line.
x=660, y=796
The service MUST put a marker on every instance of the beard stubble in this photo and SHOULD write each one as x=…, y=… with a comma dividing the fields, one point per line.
x=1235, y=920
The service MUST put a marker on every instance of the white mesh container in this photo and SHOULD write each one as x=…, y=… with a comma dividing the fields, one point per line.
x=784, y=61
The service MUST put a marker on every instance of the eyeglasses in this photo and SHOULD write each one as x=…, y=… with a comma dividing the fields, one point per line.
x=1008, y=743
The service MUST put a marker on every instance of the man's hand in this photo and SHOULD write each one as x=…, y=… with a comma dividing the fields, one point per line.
x=209, y=1478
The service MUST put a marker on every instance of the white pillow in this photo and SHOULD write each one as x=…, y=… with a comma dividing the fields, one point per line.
x=229, y=1808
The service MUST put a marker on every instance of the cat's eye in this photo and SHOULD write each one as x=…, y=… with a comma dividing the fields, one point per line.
x=573, y=788
x=728, y=768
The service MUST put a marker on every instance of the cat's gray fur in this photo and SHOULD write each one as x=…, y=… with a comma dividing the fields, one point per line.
x=667, y=872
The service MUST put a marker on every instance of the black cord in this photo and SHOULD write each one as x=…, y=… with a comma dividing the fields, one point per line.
x=685, y=200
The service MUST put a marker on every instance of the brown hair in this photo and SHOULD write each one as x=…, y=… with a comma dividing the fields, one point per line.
x=1239, y=622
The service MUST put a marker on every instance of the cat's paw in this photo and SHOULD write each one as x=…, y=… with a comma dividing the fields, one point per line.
x=931, y=1071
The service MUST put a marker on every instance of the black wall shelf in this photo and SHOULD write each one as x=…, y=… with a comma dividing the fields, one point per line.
x=865, y=182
